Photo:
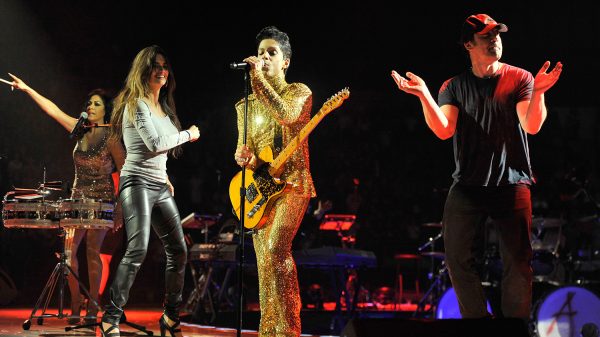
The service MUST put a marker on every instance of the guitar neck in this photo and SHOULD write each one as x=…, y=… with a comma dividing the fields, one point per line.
x=295, y=142
x=331, y=104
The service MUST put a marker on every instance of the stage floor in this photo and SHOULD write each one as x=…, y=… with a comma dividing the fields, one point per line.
x=11, y=324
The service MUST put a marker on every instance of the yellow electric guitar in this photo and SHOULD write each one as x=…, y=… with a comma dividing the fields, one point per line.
x=263, y=186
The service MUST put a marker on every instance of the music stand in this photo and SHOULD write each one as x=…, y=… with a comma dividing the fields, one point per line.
x=201, y=280
x=200, y=221
x=339, y=223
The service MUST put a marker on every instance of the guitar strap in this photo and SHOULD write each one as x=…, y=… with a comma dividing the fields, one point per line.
x=277, y=140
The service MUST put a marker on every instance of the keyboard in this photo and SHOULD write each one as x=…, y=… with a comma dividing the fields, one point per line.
x=330, y=256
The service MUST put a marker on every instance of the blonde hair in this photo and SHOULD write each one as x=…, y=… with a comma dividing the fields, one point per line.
x=136, y=87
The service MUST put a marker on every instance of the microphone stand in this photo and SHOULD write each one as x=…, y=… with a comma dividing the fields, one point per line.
x=240, y=251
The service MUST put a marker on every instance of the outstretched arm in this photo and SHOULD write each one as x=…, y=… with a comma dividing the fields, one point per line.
x=47, y=105
x=441, y=120
x=532, y=114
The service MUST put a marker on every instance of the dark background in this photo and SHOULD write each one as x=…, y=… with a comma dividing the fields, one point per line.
x=378, y=136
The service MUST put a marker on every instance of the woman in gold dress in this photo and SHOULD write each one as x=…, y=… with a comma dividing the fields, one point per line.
x=96, y=158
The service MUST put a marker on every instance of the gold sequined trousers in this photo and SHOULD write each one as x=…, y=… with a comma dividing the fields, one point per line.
x=279, y=294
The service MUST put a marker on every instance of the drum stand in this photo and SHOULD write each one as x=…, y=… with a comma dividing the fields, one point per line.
x=438, y=284
x=123, y=320
x=58, y=276
x=435, y=290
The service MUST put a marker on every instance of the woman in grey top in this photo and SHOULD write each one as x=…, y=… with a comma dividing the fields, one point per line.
x=145, y=117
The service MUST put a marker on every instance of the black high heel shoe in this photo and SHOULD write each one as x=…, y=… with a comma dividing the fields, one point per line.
x=174, y=329
x=111, y=331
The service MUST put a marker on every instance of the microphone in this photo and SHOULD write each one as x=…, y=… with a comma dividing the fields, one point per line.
x=239, y=66
x=79, y=128
x=243, y=65
x=96, y=125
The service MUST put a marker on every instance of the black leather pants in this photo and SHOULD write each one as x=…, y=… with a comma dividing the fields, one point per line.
x=148, y=203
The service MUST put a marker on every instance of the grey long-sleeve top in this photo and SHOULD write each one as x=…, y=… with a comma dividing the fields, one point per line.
x=147, y=139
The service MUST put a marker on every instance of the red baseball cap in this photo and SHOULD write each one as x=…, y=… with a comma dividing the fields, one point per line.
x=483, y=23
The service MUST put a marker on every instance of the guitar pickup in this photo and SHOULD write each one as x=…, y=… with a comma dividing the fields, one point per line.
x=256, y=207
x=251, y=193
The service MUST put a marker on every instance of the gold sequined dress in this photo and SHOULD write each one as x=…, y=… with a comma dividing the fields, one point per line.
x=93, y=180
x=275, y=105
x=93, y=170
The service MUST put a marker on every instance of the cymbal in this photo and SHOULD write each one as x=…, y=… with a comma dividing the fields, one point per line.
x=432, y=224
x=587, y=219
x=43, y=192
x=28, y=196
x=199, y=221
x=20, y=189
x=48, y=184
x=404, y=256
x=436, y=255
x=51, y=188
x=547, y=222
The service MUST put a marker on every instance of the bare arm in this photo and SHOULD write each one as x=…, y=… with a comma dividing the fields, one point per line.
x=441, y=120
x=171, y=188
x=532, y=114
x=117, y=152
x=47, y=105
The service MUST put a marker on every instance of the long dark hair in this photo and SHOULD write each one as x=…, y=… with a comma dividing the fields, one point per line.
x=136, y=86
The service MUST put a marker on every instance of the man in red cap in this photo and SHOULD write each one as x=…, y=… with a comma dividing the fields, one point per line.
x=488, y=110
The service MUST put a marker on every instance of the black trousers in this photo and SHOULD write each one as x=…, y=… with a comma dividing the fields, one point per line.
x=147, y=203
x=465, y=212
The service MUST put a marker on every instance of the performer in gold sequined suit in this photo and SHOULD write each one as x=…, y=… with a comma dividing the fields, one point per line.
x=95, y=159
x=277, y=109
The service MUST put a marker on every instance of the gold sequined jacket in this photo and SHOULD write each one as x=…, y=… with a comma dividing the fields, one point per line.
x=276, y=104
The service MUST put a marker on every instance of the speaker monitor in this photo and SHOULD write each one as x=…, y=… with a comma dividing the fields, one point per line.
x=379, y=327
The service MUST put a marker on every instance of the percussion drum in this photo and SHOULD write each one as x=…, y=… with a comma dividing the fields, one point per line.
x=30, y=214
x=447, y=306
x=564, y=311
x=547, y=240
x=86, y=213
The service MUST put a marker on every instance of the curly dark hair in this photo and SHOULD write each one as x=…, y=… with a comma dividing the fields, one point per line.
x=106, y=99
x=272, y=32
